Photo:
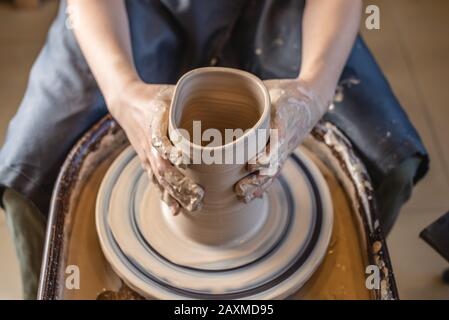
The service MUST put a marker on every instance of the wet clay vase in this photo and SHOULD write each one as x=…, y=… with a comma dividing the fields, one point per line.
x=220, y=99
x=226, y=232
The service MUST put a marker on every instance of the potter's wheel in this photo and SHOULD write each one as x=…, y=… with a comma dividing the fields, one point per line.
x=138, y=237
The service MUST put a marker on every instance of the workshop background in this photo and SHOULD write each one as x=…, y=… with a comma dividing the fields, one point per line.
x=412, y=47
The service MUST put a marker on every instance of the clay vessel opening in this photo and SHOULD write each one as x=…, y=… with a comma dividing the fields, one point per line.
x=217, y=104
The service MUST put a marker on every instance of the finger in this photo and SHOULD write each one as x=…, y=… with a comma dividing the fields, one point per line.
x=253, y=186
x=165, y=196
x=171, y=202
x=144, y=162
x=159, y=138
x=181, y=188
x=175, y=208
x=267, y=162
x=142, y=147
x=156, y=183
x=167, y=151
x=149, y=173
x=159, y=121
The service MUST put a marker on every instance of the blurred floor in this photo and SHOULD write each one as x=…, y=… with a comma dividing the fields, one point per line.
x=413, y=49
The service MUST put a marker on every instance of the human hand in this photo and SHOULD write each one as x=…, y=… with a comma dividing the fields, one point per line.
x=296, y=108
x=142, y=111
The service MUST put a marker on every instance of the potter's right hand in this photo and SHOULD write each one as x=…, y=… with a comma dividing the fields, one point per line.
x=142, y=112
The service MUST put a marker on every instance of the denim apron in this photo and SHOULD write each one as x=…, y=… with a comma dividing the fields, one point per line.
x=170, y=37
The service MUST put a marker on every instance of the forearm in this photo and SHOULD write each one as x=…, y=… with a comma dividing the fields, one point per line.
x=329, y=31
x=102, y=30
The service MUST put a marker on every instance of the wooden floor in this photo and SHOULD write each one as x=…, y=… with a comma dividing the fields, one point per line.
x=412, y=47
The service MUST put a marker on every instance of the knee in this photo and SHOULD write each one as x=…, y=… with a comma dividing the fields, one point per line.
x=395, y=190
x=21, y=213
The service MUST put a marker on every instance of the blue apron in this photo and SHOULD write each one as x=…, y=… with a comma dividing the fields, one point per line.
x=170, y=37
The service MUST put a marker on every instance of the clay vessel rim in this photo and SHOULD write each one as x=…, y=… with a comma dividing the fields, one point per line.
x=262, y=122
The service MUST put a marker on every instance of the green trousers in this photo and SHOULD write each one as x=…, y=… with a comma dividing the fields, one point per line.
x=27, y=227
x=395, y=191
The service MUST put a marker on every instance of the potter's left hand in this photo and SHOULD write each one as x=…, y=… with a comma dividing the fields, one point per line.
x=296, y=108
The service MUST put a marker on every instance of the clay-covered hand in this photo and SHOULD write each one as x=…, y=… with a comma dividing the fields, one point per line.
x=142, y=112
x=295, y=110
